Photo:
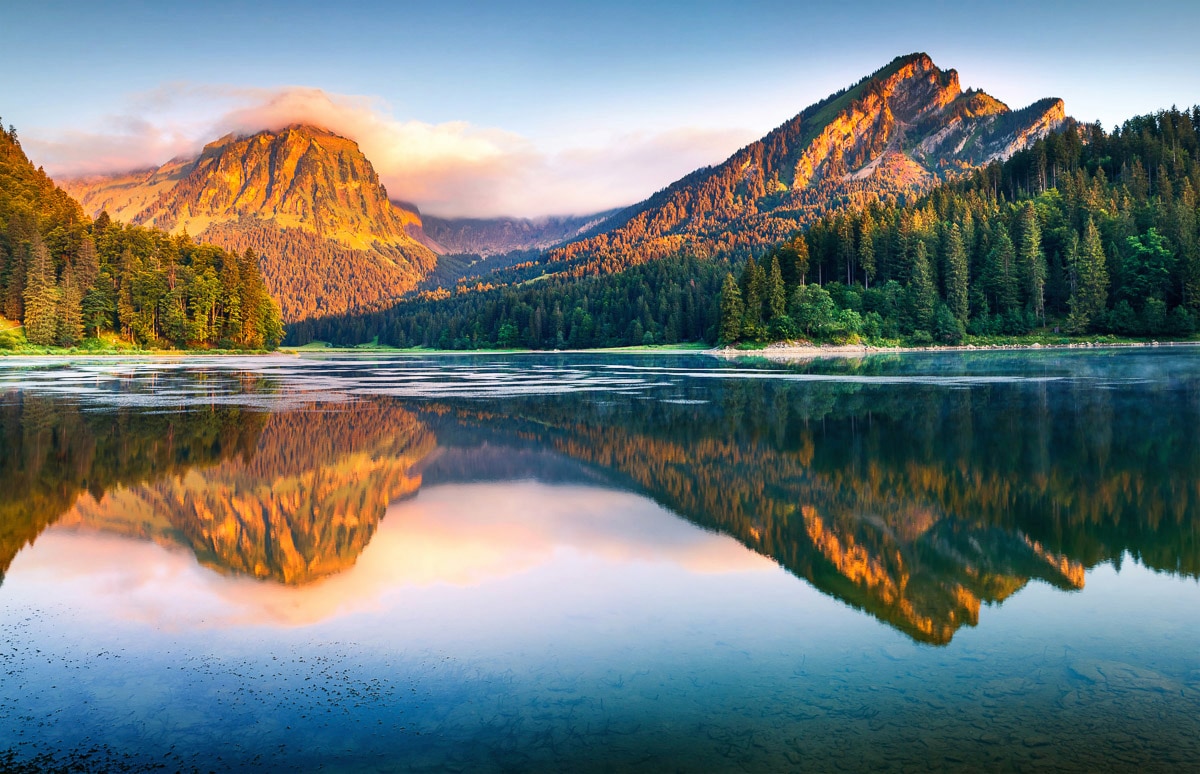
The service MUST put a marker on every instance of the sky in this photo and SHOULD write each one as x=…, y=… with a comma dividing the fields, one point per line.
x=531, y=108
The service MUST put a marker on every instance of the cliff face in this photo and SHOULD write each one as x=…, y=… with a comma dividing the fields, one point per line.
x=301, y=177
x=305, y=199
x=920, y=112
x=894, y=133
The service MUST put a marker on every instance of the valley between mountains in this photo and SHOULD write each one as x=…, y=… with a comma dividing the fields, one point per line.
x=310, y=204
x=859, y=190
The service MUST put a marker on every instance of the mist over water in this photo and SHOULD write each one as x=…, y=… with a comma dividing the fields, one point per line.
x=943, y=561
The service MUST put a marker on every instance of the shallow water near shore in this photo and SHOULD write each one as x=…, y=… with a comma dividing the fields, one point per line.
x=948, y=561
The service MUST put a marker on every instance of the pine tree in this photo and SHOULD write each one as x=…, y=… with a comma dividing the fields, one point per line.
x=1001, y=271
x=753, y=283
x=957, y=283
x=40, y=296
x=86, y=266
x=846, y=252
x=125, y=308
x=794, y=254
x=866, y=248
x=1089, y=277
x=1189, y=245
x=921, y=293
x=776, y=292
x=100, y=304
x=70, y=310
x=14, y=297
x=731, y=310
x=1032, y=261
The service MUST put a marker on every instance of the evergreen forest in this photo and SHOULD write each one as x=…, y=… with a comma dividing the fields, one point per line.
x=1085, y=232
x=69, y=281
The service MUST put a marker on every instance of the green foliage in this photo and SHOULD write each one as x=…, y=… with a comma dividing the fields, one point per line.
x=813, y=310
x=776, y=292
x=732, y=310
x=1032, y=260
x=921, y=296
x=669, y=301
x=957, y=279
x=947, y=328
x=1021, y=244
x=1147, y=269
x=66, y=277
x=1089, y=279
x=11, y=338
x=508, y=336
x=40, y=295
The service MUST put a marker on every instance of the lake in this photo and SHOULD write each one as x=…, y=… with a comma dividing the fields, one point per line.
x=942, y=561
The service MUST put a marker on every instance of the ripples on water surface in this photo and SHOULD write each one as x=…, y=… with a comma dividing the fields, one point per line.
x=943, y=561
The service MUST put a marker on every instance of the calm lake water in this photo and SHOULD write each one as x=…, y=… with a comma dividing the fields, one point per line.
x=973, y=561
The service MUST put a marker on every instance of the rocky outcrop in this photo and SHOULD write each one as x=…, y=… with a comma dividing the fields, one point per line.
x=303, y=198
x=894, y=133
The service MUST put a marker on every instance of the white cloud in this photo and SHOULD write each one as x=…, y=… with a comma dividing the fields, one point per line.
x=451, y=168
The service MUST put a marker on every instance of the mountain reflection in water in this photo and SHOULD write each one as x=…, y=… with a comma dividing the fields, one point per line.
x=456, y=536
x=915, y=502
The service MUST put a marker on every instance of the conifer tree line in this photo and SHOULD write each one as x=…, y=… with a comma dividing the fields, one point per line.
x=666, y=301
x=68, y=279
x=1084, y=232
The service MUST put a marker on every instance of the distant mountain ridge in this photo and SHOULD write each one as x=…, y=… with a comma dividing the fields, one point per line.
x=494, y=236
x=894, y=133
x=304, y=198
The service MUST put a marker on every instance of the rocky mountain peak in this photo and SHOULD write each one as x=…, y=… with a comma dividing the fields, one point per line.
x=302, y=177
x=894, y=133
x=304, y=198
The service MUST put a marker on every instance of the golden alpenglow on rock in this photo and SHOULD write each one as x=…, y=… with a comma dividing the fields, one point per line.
x=306, y=200
x=894, y=132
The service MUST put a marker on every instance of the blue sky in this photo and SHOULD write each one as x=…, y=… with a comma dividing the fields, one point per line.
x=534, y=107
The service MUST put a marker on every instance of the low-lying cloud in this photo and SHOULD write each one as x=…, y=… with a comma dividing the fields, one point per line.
x=452, y=168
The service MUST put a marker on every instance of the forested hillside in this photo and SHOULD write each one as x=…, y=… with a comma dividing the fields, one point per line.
x=1084, y=231
x=67, y=280
x=893, y=134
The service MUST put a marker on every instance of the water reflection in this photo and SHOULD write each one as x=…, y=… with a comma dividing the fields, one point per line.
x=917, y=500
x=302, y=505
x=53, y=451
x=450, y=536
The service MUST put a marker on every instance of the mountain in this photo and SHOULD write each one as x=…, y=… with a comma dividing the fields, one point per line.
x=894, y=133
x=494, y=236
x=305, y=199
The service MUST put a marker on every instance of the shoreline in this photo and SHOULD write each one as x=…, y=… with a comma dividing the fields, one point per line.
x=780, y=352
x=785, y=352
